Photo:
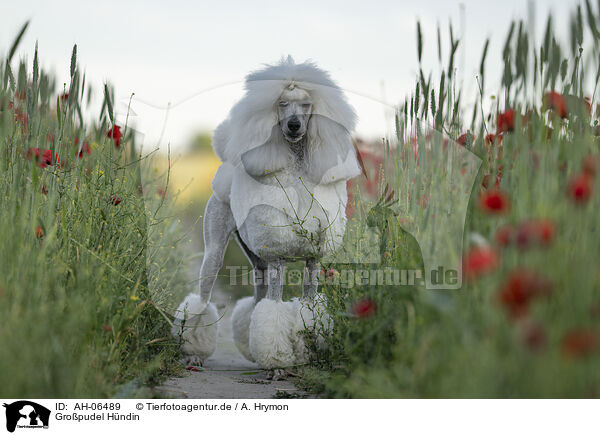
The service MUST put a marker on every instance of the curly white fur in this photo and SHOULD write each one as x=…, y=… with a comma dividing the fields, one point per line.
x=197, y=328
x=271, y=344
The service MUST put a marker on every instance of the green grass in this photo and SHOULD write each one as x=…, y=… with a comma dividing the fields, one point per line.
x=86, y=279
x=467, y=342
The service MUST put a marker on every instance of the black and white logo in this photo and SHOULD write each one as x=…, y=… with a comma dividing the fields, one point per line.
x=26, y=414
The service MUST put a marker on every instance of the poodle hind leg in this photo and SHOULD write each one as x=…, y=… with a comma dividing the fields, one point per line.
x=242, y=312
x=271, y=323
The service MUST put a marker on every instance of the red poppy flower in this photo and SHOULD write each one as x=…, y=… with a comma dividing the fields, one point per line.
x=462, y=139
x=43, y=157
x=478, y=261
x=107, y=328
x=580, y=188
x=506, y=120
x=44, y=190
x=46, y=158
x=116, y=135
x=519, y=289
x=555, y=101
x=364, y=308
x=115, y=200
x=580, y=343
x=494, y=202
x=65, y=96
x=192, y=368
x=39, y=232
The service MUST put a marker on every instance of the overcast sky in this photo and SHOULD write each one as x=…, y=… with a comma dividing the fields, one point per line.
x=169, y=51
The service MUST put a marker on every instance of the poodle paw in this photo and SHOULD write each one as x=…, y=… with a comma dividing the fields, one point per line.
x=196, y=327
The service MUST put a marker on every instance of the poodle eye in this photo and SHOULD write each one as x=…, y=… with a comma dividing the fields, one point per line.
x=306, y=106
x=283, y=103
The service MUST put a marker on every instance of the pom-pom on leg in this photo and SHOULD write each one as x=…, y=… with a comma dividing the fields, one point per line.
x=196, y=327
x=270, y=341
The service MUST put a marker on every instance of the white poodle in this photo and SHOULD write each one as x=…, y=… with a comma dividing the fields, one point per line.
x=281, y=192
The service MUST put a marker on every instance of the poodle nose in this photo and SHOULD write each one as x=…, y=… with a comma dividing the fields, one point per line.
x=294, y=124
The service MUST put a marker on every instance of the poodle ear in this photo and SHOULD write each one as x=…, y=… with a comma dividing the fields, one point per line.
x=272, y=156
x=331, y=154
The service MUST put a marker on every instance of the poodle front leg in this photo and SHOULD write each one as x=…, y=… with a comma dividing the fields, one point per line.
x=196, y=319
x=275, y=274
x=310, y=314
x=218, y=224
x=271, y=322
x=311, y=279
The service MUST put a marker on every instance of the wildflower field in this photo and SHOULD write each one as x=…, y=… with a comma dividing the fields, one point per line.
x=526, y=322
x=88, y=254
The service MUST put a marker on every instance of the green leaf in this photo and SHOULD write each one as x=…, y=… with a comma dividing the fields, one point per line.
x=73, y=60
x=439, y=43
x=11, y=78
x=58, y=111
x=36, y=67
x=109, y=105
x=419, y=41
x=482, y=64
x=16, y=42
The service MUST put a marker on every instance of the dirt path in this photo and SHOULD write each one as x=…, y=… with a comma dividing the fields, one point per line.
x=227, y=374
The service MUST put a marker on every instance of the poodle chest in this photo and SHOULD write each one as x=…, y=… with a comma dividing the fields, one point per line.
x=283, y=215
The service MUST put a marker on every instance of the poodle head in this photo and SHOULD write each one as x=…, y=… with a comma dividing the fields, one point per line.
x=290, y=110
x=294, y=108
